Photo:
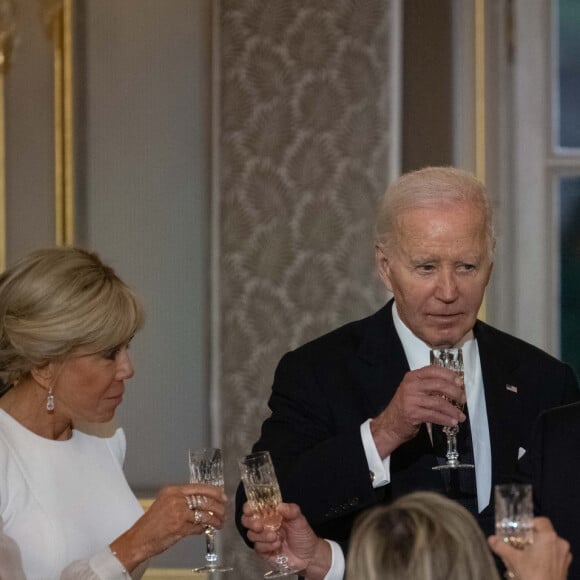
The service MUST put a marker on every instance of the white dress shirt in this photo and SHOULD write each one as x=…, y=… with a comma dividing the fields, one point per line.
x=417, y=353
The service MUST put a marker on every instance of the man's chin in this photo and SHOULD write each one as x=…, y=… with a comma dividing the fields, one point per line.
x=446, y=338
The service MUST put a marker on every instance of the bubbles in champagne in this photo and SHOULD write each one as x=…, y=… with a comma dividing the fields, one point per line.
x=517, y=533
x=264, y=499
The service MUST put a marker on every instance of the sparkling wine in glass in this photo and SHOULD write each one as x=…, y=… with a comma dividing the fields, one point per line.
x=263, y=494
x=514, y=514
x=451, y=358
x=206, y=466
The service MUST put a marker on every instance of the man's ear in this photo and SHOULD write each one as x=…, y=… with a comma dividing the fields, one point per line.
x=383, y=267
x=44, y=375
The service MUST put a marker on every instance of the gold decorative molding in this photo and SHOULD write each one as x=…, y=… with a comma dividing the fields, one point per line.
x=57, y=16
x=50, y=11
x=2, y=177
x=146, y=502
x=7, y=31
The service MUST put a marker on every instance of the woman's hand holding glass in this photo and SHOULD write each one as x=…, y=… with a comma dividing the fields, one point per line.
x=168, y=520
x=547, y=558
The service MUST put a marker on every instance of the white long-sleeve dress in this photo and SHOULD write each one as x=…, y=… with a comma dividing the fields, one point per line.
x=61, y=504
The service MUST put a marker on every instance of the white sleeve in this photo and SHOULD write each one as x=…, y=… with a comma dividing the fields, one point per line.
x=337, y=568
x=101, y=566
x=380, y=468
x=10, y=561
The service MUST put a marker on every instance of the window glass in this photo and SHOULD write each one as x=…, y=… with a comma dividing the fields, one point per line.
x=570, y=271
x=568, y=82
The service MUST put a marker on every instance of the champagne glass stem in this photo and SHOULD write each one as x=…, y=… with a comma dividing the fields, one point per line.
x=452, y=453
x=281, y=567
x=210, y=553
x=206, y=466
x=282, y=561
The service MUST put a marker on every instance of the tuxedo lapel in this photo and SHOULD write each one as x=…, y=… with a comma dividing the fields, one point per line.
x=504, y=407
x=380, y=361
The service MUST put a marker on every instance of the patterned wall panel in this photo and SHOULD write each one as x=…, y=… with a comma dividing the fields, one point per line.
x=306, y=129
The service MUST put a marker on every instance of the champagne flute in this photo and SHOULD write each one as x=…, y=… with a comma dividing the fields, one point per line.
x=263, y=493
x=450, y=359
x=206, y=466
x=514, y=514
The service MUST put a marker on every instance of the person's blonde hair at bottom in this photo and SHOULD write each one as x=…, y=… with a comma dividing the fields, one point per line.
x=420, y=536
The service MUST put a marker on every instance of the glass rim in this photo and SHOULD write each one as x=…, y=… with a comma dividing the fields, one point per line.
x=255, y=455
x=212, y=453
x=203, y=449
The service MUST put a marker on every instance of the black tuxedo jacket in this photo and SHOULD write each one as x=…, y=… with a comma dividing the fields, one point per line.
x=554, y=458
x=326, y=389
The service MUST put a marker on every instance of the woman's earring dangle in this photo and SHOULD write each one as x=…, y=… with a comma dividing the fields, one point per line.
x=50, y=401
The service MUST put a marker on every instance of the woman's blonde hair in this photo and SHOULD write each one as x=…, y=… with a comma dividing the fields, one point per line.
x=56, y=300
x=432, y=187
x=420, y=536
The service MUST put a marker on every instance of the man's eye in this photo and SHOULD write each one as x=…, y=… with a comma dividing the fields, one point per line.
x=426, y=268
x=467, y=267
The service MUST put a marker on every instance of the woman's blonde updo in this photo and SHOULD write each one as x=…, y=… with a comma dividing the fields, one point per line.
x=420, y=536
x=56, y=300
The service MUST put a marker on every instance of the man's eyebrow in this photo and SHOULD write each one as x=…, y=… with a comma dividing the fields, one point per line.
x=422, y=259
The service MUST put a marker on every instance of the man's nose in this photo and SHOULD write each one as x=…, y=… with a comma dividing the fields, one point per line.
x=447, y=286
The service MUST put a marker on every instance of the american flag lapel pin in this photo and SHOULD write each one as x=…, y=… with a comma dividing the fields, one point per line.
x=512, y=389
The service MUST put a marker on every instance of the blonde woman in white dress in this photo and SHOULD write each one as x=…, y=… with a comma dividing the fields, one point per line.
x=66, y=509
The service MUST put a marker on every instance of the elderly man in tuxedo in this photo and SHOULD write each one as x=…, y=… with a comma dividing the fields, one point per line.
x=356, y=413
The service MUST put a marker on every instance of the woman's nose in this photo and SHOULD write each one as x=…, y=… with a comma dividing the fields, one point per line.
x=125, y=368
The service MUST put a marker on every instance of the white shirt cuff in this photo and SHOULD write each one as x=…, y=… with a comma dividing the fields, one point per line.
x=337, y=569
x=105, y=565
x=380, y=468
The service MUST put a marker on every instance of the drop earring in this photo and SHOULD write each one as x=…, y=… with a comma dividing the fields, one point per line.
x=50, y=401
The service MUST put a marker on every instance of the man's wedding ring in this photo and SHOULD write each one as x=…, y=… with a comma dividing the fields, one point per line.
x=197, y=516
x=190, y=503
